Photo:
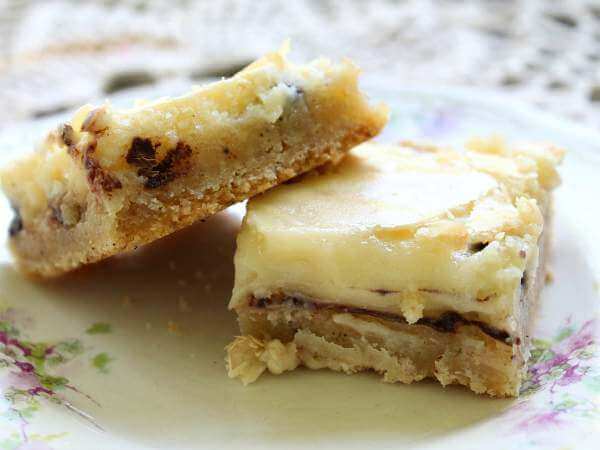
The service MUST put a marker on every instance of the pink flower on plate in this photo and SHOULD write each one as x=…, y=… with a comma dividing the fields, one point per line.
x=23, y=381
x=551, y=396
x=540, y=420
x=570, y=375
x=582, y=338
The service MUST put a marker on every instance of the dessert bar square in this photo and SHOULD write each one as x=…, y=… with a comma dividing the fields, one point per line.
x=410, y=260
x=110, y=180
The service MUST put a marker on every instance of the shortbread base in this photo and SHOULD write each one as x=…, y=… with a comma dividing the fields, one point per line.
x=284, y=339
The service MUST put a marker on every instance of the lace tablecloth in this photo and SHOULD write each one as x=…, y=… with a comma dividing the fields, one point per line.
x=59, y=54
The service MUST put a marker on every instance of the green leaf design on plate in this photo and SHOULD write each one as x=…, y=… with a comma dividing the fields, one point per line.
x=70, y=347
x=564, y=333
x=9, y=329
x=565, y=404
x=99, y=328
x=541, y=344
x=53, y=383
x=101, y=361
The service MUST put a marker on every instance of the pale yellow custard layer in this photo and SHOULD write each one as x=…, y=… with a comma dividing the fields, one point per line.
x=410, y=229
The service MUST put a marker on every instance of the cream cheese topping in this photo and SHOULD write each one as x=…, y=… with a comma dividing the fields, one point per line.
x=364, y=194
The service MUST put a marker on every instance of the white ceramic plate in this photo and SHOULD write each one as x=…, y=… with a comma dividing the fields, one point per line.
x=128, y=354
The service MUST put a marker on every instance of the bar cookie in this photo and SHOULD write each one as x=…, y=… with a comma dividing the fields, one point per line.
x=110, y=180
x=412, y=261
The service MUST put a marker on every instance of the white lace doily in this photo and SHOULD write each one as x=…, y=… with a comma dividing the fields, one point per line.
x=58, y=54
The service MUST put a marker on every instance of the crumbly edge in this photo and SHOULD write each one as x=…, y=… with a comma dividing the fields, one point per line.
x=283, y=340
x=49, y=252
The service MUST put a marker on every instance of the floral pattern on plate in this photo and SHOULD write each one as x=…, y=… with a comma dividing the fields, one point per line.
x=29, y=379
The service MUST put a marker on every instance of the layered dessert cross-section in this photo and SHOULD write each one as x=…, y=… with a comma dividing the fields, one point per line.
x=110, y=180
x=411, y=260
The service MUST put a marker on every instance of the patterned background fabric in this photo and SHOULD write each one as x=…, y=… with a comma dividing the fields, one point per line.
x=58, y=54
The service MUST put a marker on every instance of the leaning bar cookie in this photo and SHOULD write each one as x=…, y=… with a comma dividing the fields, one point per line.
x=412, y=261
x=111, y=180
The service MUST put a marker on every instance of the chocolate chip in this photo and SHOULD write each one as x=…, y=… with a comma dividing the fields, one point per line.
x=171, y=166
x=16, y=224
x=142, y=153
x=56, y=215
x=478, y=246
x=260, y=303
x=66, y=134
x=381, y=291
x=96, y=176
x=446, y=322
x=155, y=182
x=297, y=89
x=524, y=280
x=493, y=332
x=522, y=254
